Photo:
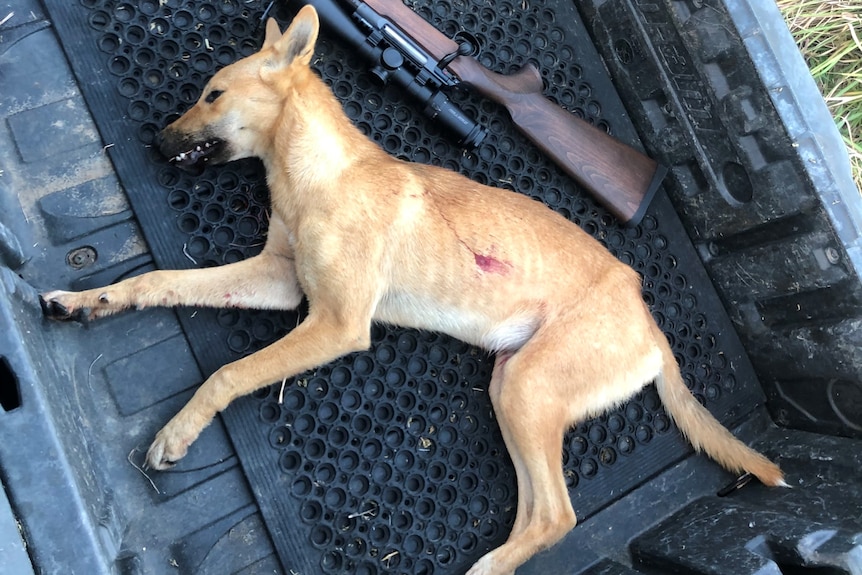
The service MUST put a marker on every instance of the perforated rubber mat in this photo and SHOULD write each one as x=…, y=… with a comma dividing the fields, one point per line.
x=390, y=461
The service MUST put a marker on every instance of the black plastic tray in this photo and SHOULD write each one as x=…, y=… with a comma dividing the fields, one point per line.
x=80, y=404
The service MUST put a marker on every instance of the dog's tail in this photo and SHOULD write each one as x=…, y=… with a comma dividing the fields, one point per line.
x=702, y=429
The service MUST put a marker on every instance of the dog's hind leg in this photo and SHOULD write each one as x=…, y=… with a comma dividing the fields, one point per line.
x=266, y=281
x=525, y=490
x=573, y=368
x=532, y=420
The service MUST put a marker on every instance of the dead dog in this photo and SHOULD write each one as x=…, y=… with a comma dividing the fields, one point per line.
x=366, y=237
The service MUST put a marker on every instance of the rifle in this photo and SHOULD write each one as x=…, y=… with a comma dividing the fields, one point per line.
x=405, y=49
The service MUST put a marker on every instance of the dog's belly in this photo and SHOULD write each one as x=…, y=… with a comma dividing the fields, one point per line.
x=468, y=325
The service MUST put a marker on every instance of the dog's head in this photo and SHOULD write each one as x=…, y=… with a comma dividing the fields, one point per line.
x=236, y=113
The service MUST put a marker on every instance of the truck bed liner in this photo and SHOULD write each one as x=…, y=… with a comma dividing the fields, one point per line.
x=390, y=460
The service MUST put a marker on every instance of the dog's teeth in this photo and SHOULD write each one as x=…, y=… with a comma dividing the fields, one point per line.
x=200, y=151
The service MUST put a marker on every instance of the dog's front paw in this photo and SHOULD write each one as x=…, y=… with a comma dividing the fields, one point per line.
x=81, y=306
x=485, y=566
x=62, y=305
x=169, y=446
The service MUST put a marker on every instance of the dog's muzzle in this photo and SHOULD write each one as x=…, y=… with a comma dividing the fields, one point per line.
x=200, y=153
x=192, y=156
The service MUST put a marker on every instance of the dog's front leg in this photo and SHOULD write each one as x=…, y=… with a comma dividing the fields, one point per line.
x=317, y=340
x=266, y=281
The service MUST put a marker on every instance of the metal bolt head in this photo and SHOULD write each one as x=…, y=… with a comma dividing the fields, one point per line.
x=79, y=258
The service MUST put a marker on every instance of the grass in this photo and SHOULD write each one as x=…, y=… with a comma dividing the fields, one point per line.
x=829, y=35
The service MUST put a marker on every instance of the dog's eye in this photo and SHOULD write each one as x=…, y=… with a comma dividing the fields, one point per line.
x=211, y=97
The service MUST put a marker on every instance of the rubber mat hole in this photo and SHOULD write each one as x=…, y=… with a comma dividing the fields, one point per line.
x=10, y=391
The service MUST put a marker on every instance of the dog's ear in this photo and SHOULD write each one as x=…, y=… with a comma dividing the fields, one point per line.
x=297, y=43
x=273, y=33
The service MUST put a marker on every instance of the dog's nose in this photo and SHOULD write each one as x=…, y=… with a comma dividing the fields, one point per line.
x=159, y=141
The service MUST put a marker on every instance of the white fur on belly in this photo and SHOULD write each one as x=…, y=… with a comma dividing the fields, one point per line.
x=511, y=334
x=467, y=325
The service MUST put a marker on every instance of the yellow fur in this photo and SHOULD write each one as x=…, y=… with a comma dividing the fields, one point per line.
x=370, y=238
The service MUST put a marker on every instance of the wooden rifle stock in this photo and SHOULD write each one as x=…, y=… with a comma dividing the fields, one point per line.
x=620, y=177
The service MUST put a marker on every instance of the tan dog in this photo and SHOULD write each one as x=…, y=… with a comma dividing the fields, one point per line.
x=370, y=238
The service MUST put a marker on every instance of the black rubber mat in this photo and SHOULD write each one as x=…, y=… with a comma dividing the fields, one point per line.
x=390, y=460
